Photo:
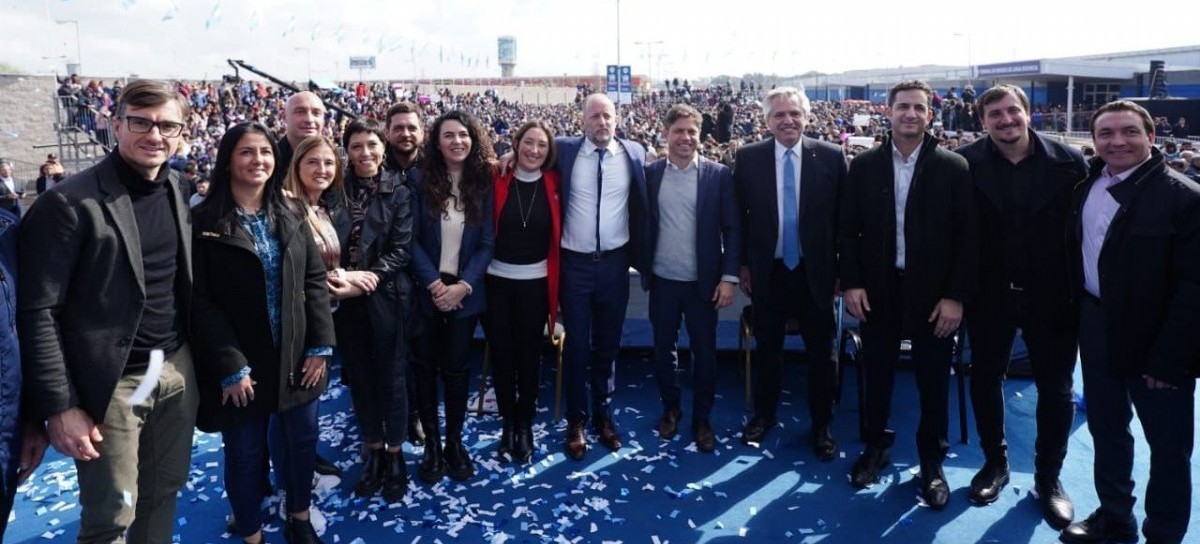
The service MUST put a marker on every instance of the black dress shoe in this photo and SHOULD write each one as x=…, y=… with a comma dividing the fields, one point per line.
x=459, y=465
x=989, y=482
x=934, y=488
x=824, y=446
x=416, y=432
x=575, y=443
x=668, y=424
x=299, y=531
x=1098, y=528
x=706, y=439
x=395, y=476
x=868, y=466
x=506, y=438
x=1056, y=505
x=607, y=433
x=523, y=442
x=371, y=478
x=433, y=467
x=756, y=430
x=325, y=467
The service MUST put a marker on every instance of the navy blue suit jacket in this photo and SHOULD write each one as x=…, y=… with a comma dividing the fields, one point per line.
x=718, y=225
x=568, y=150
x=474, y=255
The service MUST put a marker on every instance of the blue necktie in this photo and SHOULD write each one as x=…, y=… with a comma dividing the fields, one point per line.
x=791, y=222
x=599, y=192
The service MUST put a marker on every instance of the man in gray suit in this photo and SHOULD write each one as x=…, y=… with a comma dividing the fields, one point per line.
x=105, y=280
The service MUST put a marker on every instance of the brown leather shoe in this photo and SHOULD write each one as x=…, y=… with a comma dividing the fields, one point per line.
x=706, y=440
x=608, y=433
x=668, y=425
x=576, y=441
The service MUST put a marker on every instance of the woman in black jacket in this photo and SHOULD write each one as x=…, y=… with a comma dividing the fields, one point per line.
x=374, y=228
x=262, y=328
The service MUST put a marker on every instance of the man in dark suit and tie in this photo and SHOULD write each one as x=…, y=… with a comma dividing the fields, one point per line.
x=603, y=203
x=787, y=188
x=10, y=190
x=695, y=238
x=1135, y=252
x=1023, y=185
x=909, y=262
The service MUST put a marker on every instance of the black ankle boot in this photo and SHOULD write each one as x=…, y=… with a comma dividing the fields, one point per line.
x=506, y=438
x=371, y=479
x=432, y=466
x=395, y=476
x=523, y=442
x=458, y=461
x=300, y=532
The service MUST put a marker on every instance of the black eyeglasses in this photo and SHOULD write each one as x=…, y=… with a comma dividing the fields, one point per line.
x=141, y=125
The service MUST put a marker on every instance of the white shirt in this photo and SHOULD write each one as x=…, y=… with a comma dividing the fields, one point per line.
x=579, y=221
x=1098, y=212
x=902, y=172
x=9, y=184
x=780, y=150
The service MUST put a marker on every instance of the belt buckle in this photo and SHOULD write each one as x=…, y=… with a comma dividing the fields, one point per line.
x=1012, y=286
x=597, y=255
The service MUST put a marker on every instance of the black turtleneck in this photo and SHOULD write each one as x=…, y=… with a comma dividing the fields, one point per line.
x=161, y=326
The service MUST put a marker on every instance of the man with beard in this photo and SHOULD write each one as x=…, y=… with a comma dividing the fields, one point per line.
x=405, y=136
x=1023, y=186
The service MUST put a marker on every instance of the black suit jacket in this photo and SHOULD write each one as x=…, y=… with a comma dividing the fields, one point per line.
x=1057, y=168
x=718, y=224
x=940, y=234
x=822, y=174
x=1149, y=271
x=81, y=288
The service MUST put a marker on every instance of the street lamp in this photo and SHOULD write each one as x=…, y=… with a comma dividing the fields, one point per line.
x=78, y=44
x=649, y=58
x=970, y=67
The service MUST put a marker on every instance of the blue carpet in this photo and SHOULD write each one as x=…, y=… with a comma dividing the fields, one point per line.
x=651, y=491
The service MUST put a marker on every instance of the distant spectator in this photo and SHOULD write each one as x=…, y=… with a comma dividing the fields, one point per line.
x=11, y=190
x=50, y=173
x=201, y=193
x=1181, y=128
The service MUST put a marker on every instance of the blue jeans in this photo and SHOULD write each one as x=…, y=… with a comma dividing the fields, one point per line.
x=245, y=444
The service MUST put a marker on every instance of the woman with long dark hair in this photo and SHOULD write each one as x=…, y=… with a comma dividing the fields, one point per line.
x=453, y=231
x=374, y=228
x=262, y=328
x=522, y=282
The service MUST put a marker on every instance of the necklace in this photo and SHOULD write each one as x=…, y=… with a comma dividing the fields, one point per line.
x=526, y=214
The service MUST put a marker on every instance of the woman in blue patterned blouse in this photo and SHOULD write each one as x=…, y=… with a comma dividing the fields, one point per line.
x=262, y=326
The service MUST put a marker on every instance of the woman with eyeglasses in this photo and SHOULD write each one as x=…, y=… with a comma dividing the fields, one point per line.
x=453, y=232
x=262, y=327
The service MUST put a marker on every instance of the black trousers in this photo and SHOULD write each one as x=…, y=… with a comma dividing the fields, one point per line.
x=1168, y=419
x=788, y=297
x=1052, y=358
x=515, y=323
x=890, y=321
x=376, y=371
x=442, y=348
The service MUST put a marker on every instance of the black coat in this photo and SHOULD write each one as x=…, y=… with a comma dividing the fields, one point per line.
x=822, y=173
x=232, y=328
x=1057, y=168
x=941, y=238
x=81, y=291
x=1149, y=271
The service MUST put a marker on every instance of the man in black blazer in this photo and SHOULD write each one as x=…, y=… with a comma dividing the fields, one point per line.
x=787, y=187
x=1135, y=264
x=909, y=258
x=695, y=238
x=1023, y=185
x=105, y=280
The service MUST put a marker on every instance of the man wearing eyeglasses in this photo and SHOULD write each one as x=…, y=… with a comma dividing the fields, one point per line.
x=105, y=279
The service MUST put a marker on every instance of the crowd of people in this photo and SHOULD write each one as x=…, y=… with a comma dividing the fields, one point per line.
x=380, y=242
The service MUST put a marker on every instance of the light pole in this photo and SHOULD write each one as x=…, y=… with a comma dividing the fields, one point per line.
x=970, y=67
x=650, y=58
x=78, y=44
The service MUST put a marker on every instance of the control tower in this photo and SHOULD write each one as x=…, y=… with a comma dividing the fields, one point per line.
x=507, y=55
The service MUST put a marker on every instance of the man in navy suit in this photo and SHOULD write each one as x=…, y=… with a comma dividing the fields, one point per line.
x=693, y=215
x=603, y=203
x=787, y=188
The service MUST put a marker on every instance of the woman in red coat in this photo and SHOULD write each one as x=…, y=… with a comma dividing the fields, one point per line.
x=522, y=282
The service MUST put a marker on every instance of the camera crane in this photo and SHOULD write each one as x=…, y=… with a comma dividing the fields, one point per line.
x=240, y=64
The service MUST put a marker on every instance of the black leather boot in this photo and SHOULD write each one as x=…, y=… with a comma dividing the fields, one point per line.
x=523, y=447
x=371, y=478
x=458, y=460
x=433, y=468
x=506, y=438
x=299, y=531
x=395, y=476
